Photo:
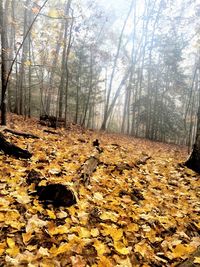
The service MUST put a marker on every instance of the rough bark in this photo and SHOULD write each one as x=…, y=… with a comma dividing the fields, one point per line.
x=3, y=64
x=194, y=160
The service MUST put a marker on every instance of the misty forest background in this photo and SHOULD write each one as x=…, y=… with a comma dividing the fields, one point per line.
x=131, y=68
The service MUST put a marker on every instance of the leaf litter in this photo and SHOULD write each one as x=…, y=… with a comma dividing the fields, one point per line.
x=140, y=208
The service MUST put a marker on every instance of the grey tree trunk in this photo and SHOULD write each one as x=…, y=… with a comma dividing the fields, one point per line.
x=107, y=106
x=194, y=160
x=3, y=64
x=64, y=59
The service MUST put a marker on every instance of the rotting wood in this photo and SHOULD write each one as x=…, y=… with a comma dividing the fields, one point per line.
x=56, y=194
x=89, y=167
x=91, y=163
x=13, y=150
x=25, y=135
x=51, y=121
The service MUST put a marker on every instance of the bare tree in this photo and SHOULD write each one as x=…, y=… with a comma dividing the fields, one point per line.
x=3, y=63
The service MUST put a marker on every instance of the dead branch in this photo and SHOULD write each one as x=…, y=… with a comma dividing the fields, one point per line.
x=90, y=164
x=25, y=135
x=51, y=132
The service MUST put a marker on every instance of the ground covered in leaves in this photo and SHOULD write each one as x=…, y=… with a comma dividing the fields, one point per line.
x=140, y=207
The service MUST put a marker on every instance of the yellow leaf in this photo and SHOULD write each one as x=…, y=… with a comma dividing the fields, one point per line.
x=133, y=227
x=120, y=248
x=181, y=250
x=13, y=250
x=197, y=260
x=43, y=252
x=109, y=216
x=100, y=247
x=2, y=217
x=61, y=229
x=10, y=242
x=198, y=225
x=31, y=248
x=94, y=232
x=51, y=214
x=144, y=249
x=190, y=172
x=104, y=262
x=115, y=233
x=26, y=237
x=63, y=248
x=12, y=215
x=83, y=232
x=2, y=248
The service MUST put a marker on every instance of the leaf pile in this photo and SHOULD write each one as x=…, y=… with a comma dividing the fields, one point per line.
x=141, y=207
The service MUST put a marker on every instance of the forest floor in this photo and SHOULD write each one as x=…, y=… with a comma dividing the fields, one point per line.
x=140, y=207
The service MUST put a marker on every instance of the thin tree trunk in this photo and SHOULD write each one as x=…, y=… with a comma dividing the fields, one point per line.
x=3, y=64
x=52, y=74
x=63, y=66
x=90, y=87
x=106, y=115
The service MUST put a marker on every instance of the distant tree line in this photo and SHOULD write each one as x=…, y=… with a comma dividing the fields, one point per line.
x=136, y=74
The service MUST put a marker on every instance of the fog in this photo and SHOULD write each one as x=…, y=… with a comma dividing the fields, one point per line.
x=122, y=66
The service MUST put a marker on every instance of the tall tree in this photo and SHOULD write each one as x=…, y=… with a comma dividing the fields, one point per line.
x=4, y=49
x=194, y=160
x=6, y=74
x=108, y=106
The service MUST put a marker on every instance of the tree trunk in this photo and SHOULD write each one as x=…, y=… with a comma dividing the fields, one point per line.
x=194, y=160
x=3, y=64
x=64, y=59
x=107, y=106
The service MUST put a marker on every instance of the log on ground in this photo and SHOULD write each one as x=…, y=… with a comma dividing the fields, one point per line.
x=13, y=150
x=25, y=135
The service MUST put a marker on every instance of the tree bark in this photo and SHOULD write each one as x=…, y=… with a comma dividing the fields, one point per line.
x=3, y=64
x=194, y=160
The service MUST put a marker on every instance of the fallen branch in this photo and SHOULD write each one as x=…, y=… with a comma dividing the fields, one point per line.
x=89, y=167
x=142, y=160
x=51, y=132
x=12, y=149
x=90, y=164
x=26, y=135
